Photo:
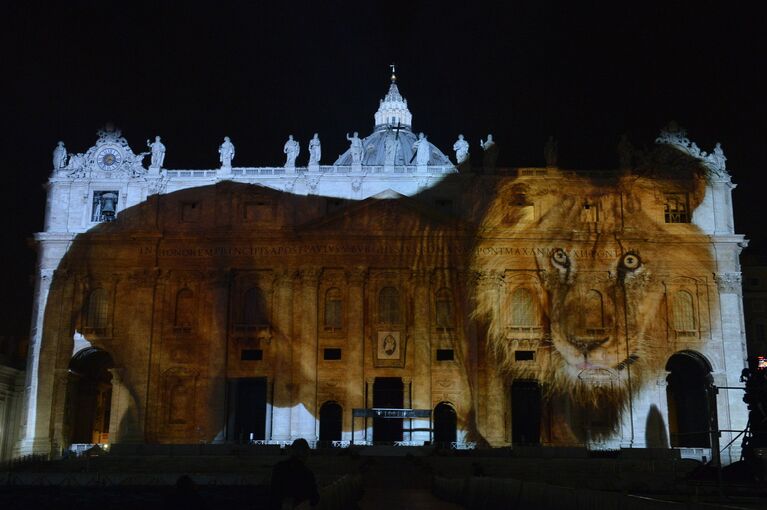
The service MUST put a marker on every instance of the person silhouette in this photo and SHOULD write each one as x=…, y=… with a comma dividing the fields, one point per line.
x=293, y=483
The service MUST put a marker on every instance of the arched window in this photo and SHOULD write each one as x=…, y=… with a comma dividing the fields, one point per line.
x=333, y=309
x=523, y=309
x=594, y=312
x=389, y=306
x=184, y=317
x=254, y=308
x=683, y=314
x=444, y=309
x=96, y=310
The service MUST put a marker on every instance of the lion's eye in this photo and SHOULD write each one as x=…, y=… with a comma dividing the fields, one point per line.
x=631, y=261
x=560, y=258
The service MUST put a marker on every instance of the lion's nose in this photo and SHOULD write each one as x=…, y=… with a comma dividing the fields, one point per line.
x=587, y=344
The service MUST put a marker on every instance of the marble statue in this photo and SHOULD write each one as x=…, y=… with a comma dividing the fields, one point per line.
x=315, y=150
x=716, y=161
x=291, y=149
x=490, y=152
x=625, y=153
x=461, y=148
x=486, y=144
x=355, y=147
x=76, y=165
x=226, y=152
x=390, y=148
x=158, y=152
x=550, y=152
x=59, y=156
x=423, y=150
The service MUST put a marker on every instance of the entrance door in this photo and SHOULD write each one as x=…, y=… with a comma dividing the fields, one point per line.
x=690, y=400
x=247, y=409
x=388, y=392
x=525, y=412
x=444, y=424
x=331, y=421
x=90, y=395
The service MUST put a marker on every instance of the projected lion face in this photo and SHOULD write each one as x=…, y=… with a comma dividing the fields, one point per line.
x=587, y=292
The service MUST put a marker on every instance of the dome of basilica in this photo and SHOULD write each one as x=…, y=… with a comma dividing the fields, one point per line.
x=391, y=143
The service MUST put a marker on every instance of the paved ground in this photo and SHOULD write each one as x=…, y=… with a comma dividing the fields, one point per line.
x=416, y=499
x=394, y=483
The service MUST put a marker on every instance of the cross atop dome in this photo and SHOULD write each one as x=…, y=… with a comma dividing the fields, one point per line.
x=392, y=109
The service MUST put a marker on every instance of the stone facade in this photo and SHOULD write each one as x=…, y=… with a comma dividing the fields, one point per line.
x=254, y=303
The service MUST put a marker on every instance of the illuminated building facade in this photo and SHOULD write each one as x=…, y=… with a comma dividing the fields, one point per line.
x=518, y=306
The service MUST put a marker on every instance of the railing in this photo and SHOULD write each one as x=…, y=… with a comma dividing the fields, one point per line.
x=192, y=173
x=319, y=170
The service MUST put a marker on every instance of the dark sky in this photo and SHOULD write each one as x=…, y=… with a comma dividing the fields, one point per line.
x=585, y=72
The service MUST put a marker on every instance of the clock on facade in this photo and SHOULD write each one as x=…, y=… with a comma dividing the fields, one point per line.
x=109, y=158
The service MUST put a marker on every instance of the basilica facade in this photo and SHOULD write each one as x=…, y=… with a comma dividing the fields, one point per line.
x=391, y=296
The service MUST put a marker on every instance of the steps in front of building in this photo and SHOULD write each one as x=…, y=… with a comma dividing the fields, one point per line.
x=403, y=467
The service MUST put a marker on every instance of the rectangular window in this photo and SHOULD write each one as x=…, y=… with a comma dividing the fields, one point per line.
x=445, y=355
x=676, y=209
x=251, y=355
x=524, y=355
x=190, y=212
x=331, y=354
x=333, y=310
x=104, y=207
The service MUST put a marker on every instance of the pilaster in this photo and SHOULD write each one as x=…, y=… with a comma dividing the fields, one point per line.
x=421, y=390
x=355, y=351
x=303, y=418
x=283, y=355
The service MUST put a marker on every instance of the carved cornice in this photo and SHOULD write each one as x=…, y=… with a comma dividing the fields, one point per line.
x=284, y=278
x=420, y=277
x=217, y=278
x=357, y=276
x=728, y=283
x=715, y=163
x=490, y=278
x=143, y=277
x=310, y=276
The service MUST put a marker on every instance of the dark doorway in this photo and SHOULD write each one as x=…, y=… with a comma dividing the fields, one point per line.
x=247, y=409
x=445, y=424
x=90, y=396
x=331, y=421
x=388, y=392
x=525, y=412
x=690, y=400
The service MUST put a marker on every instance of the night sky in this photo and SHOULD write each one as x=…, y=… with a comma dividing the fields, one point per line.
x=257, y=71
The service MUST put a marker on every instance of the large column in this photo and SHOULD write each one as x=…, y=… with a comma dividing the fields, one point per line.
x=369, y=394
x=355, y=353
x=35, y=436
x=61, y=387
x=282, y=339
x=421, y=390
x=722, y=204
x=215, y=324
x=303, y=417
x=732, y=413
x=124, y=425
x=494, y=400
